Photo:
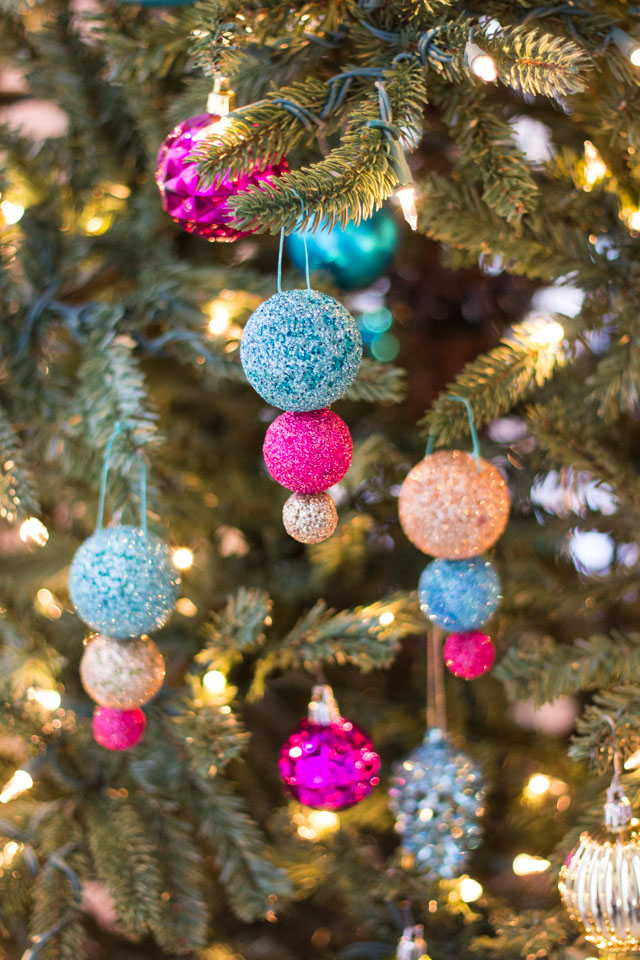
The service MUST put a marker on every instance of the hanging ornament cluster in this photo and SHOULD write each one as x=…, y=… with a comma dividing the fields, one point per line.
x=196, y=207
x=454, y=506
x=300, y=351
x=355, y=255
x=437, y=797
x=122, y=584
x=412, y=945
x=600, y=882
x=328, y=763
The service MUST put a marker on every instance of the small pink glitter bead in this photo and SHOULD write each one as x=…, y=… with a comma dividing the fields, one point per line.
x=203, y=210
x=329, y=767
x=118, y=729
x=308, y=452
x=469, y=654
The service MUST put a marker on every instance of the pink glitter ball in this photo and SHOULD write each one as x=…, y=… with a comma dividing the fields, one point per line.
x=202, y=210
x=329, y=767
x=469, y=654
x=308, y=452
x=118, y=729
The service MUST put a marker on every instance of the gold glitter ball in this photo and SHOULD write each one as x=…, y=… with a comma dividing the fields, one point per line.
x=121, y=673
x=310, y=518
x=449, y=509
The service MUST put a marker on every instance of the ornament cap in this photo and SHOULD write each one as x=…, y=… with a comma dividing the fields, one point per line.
x=412, y=945
x=323, y=709
x=617, y=809
x=222, y=100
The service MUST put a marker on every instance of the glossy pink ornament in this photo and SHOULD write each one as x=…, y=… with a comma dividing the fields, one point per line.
x=331, y=764
x=118, y=729
x=203, y=210
x=308, y=452
x=469, y=654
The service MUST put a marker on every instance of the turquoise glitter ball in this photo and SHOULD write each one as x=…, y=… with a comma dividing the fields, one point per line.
x=301, y=350
x=122, y=583
x=459, y=594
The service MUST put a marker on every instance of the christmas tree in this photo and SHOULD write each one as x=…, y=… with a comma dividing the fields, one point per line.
x=143, y=819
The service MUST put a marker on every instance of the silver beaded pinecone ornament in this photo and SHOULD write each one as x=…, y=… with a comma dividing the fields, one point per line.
x=600, y=881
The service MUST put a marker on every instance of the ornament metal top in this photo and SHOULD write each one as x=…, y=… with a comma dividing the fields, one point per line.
x=600, y=881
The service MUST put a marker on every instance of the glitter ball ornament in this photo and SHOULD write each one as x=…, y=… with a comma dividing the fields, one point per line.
x=310, y=518
x=437, y=797
x=328, y=763
x=459, y=594
x=118, y=729
x=450, y=509
x=308, y=452
x=600, y=881
x=121, y=673
x=199, y=209
x=469, y=655
x=301, y=350
x=122, y=582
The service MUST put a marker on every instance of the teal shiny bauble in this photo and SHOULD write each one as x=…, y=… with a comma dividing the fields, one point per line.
x=354, y=256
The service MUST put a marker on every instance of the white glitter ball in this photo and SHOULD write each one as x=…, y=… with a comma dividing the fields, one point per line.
x=121, y=674
x=310, y=518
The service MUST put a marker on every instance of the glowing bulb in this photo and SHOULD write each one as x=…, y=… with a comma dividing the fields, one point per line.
x=538, y=784
x=548, y=334
x=634, y=57
x=220, y=317
x=484, y=68
x=19, y=783
x=33, y=530
x=594, y=166
x=182, y=558
x=94, y=225
x=215, y=682
x=407, y=197
x=186, y=607
x=49, y=699
x=524, y=865
x=323, y=822
x=8, y=852
x=12, y=212
x=386, y=618
x=470, y=889
x=634, y=220
x=633, y=761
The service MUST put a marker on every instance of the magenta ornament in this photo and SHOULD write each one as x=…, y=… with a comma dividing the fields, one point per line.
x=118, y=729
x=469, y=654
x=308, y=452
x=203, y=210
x=328, y=763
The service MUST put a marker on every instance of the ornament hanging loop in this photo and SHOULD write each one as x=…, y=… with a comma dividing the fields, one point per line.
x=118, y=428
x=306, y=251
x=475, y=452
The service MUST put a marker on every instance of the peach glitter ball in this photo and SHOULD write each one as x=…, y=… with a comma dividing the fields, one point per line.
x=449, y=509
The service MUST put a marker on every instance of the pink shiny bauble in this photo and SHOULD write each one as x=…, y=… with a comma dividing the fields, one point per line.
x=329, y=767
x=469, y=654
x=199, y=209
x=118, y=729
x=308, y=452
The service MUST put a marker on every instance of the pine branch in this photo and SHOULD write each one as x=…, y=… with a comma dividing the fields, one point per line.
x=378, y=383
x=538, y=63
x=18, y=491
x=611, y=723
x=238, y=629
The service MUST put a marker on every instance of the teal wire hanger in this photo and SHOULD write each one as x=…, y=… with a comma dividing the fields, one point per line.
x=117, y=430
x=306, y=251
x=475, y=452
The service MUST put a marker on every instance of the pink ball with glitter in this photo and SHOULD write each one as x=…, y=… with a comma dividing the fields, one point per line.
x=308, y=452
x=203, y=210
x=469, y=654
x=329, y=767
x=118, y=729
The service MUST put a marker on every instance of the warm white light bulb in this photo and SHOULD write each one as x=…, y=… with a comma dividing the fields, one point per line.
x=524, y=865
x=323, y=821
x=48, y=699
x=484, y=67
x=12, y=212
x=19, y=783
x=632, y=762
x=470, y=889
x=634, y=57
x=215, y=682
x=386, y=619
x=33, y=530
x=538, y=784
x=548, y=334
x=182, y=558
x=407, y=197
x=220, y=317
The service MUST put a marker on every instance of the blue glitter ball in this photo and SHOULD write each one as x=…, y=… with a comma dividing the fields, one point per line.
x=437, y=796
x=459, y=594
x=122, y=583
x=301, y=350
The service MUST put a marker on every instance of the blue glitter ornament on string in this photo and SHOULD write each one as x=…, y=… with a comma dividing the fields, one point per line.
x=122, y=581
x=459, y=595
x=437, y=796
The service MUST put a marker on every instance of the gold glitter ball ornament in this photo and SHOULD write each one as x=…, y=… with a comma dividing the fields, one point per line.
x=450, y=509
x=310, y=518
x=600, y=881
x=121, y=674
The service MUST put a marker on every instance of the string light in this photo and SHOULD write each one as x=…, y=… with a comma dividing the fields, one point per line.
x=632, y=762
x=8, y=852
x=634, y=220
x=33, y=530
x=537, y=785
x=480, y=63
x=220, y=317
x=215, y=682
x=12, y=212
x=407, y=197
x=386, y=619
x=524, y=865
x=48, y=699
x=316, y=824
x=470, y=890
x=628, y=46
x=182, y=558
x=48, y=604
x=186, y=607
x=19, y=783
x=595, y=168
x=547, y=333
